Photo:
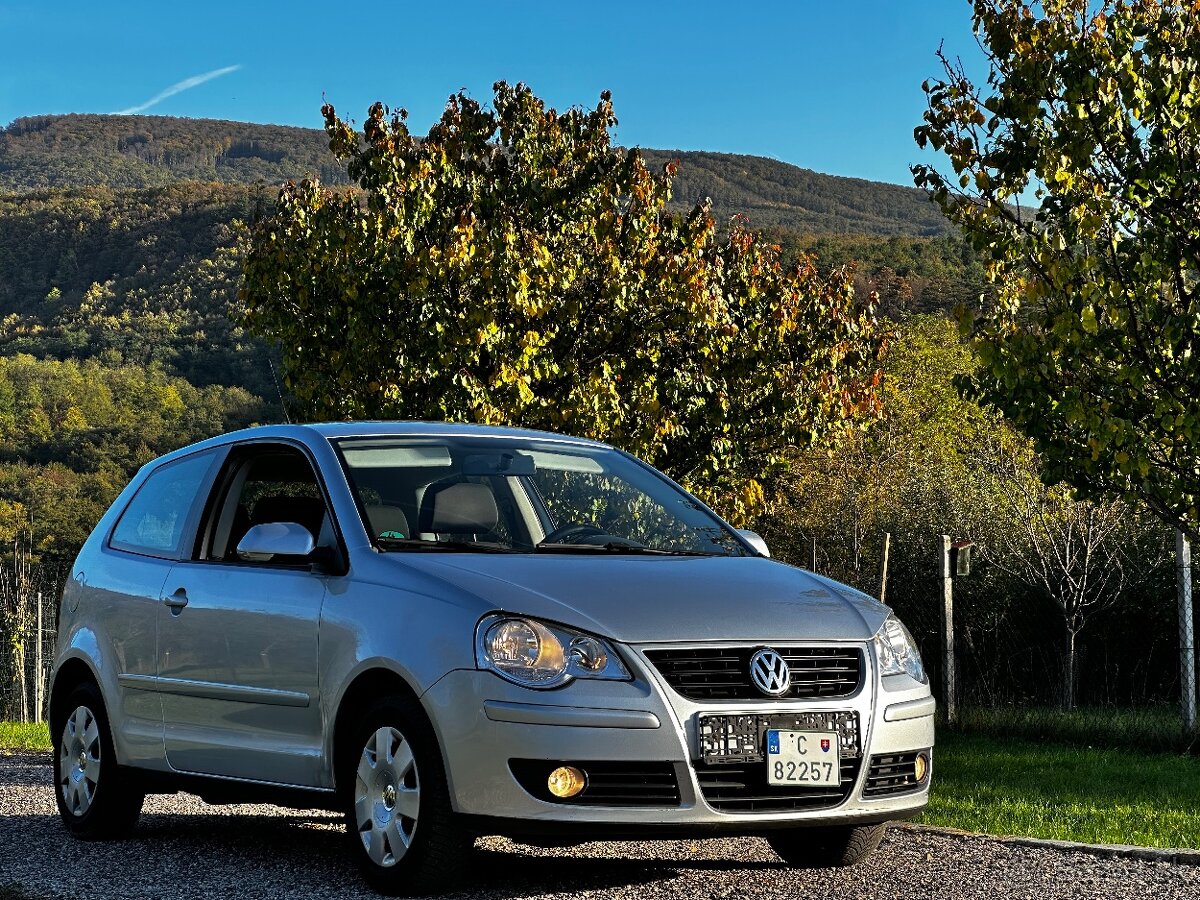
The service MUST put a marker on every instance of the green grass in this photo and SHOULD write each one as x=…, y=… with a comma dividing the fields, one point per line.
x=19, y=736
x=1035, y=789
x=1121, y=728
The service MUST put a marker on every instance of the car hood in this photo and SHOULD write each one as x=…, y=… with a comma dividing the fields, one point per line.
x=650, y=599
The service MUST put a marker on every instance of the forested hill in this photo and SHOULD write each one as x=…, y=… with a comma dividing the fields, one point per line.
x=121, y=239
x=151, y=151
x=771, y=193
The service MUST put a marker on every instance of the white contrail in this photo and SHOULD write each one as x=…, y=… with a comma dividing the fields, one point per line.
x=174, y=89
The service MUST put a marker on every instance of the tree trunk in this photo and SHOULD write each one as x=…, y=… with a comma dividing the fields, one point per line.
x=1069, y=667
x=18, y=657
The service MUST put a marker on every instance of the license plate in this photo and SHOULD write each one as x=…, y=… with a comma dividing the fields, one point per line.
x=803, y=757
x=737, y=739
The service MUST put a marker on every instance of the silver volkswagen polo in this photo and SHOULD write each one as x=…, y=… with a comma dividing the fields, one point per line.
x=444, y=631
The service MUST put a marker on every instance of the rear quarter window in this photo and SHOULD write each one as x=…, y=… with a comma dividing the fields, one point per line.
x=156, y=519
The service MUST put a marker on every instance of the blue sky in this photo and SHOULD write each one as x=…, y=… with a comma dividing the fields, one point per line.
x=833, y=87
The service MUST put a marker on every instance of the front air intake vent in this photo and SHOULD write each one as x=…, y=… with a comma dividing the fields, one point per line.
x=744, y=788
x=895, y=773
x=607, y=783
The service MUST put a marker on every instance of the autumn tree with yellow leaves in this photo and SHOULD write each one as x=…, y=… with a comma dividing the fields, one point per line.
x=514, y=267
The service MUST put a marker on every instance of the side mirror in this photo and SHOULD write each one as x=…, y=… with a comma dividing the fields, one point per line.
x=754, y=540
x=262, y=543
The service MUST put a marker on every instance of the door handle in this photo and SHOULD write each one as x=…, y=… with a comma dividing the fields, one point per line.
x=177, y=601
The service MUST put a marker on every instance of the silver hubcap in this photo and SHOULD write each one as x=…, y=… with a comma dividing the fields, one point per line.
x=387, y=797
x=79, y=761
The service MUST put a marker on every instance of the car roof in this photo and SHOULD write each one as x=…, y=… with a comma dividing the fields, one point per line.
x=336, y=430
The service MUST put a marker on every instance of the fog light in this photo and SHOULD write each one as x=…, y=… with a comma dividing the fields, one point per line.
x=566, y=781
x=921, y=767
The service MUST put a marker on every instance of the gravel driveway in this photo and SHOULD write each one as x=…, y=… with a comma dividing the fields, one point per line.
x=187, y=849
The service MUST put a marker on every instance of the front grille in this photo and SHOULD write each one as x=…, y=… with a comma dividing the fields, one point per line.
x=894, y=773
x=744, y=788
x=723, y=673
x=608, y=783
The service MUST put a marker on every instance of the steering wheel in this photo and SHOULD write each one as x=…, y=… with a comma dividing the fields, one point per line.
x=561, y=534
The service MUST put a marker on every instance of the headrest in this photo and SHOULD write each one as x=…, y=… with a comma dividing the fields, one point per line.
x=306, y=511
x=387, y=521
x=462, y=508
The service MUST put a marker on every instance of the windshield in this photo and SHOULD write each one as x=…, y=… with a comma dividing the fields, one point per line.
x=523, y=496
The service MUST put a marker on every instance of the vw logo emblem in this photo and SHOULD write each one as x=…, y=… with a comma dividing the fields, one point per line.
x=770, y=673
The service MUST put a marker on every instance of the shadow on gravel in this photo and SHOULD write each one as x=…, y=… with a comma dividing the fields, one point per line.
x=220, y=850
x=20, y=768
x=518, y=874
x=313, y=850
x=218, y=847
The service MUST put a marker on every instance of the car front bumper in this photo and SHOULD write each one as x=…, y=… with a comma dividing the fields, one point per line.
x=483, y=722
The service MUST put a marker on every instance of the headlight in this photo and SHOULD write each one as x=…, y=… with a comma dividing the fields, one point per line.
x=897, y=652
x=538, y=655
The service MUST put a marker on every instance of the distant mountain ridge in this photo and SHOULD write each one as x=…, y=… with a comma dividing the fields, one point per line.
x=82, y=150
x=773, y=193
x=85, y=150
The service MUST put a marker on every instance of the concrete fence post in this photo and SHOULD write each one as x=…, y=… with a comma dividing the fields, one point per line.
x=1187, y=637
x=949, y=681
x=883, y=566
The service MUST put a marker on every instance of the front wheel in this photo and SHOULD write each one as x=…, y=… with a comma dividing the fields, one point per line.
x=400, y=820
x=827, y=848
x=95, y=798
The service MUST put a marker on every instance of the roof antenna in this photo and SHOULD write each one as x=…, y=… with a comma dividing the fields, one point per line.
x=282, y=405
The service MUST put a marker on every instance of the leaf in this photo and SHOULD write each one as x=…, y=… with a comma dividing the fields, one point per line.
x=1088, y=319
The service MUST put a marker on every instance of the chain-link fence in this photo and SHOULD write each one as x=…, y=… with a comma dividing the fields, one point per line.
x=27, y=639
x=1116, y=681
x=1013, y=649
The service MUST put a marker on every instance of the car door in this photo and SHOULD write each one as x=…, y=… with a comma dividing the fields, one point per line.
x=237, y=647
x=122, y=585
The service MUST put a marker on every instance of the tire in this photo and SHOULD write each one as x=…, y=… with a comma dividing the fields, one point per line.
x=402, y=828
x=96, y=798
x=827, y=848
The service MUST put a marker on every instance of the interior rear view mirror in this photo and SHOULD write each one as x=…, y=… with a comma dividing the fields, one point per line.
x=505, y=463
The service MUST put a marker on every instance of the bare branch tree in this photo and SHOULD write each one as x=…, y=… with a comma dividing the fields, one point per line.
x=1079, y=554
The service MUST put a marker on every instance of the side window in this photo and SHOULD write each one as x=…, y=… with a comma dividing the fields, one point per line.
x=153, y=522
x=263, y=484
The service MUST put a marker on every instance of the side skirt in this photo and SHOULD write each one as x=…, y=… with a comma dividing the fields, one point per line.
x=221, y=791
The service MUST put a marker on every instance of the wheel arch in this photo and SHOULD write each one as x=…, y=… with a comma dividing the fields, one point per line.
x=367, y=687
x=70, y=675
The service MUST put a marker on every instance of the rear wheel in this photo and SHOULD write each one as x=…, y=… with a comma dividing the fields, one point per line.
x=827, y=848
x=95, y=798
x=399, y=818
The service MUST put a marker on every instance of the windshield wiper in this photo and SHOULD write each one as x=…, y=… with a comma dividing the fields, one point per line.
x=444, y=546
x=616, y=547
